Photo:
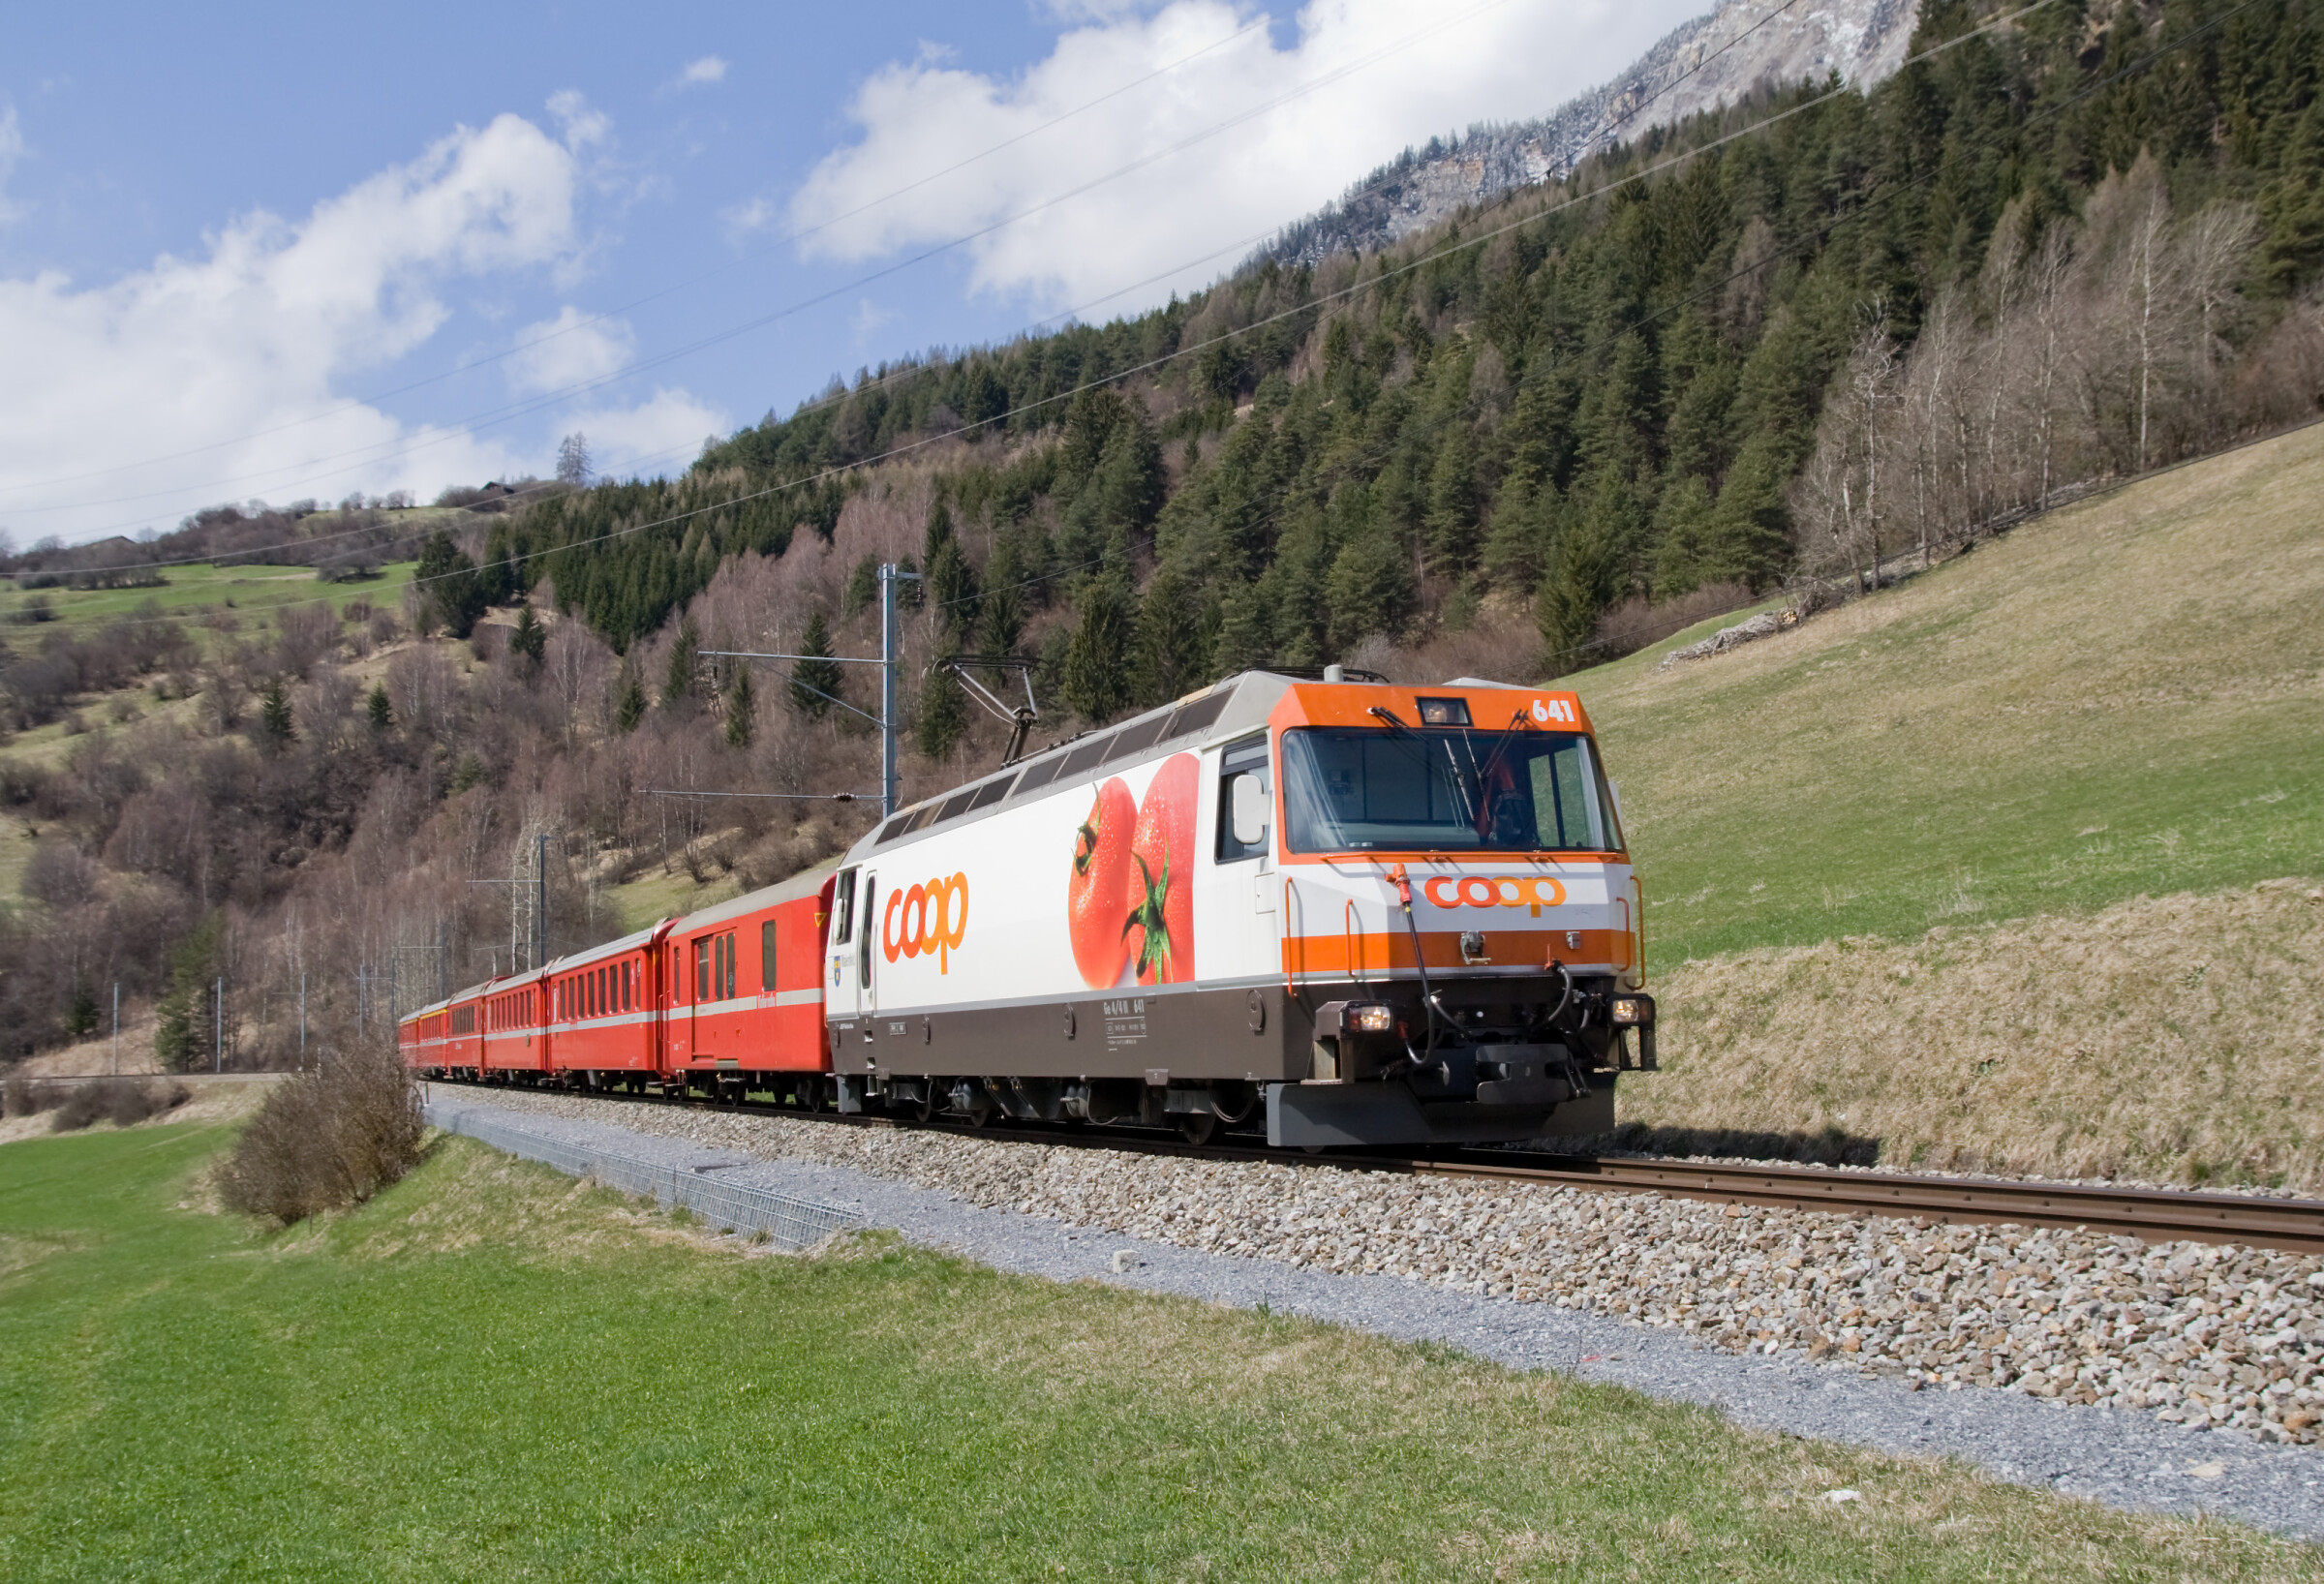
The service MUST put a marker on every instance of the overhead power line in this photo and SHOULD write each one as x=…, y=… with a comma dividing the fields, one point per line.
x=459, y=429
x=797, y=234
x=1478, y=239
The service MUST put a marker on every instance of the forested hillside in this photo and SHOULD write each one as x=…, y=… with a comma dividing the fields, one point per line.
x=1803, y=338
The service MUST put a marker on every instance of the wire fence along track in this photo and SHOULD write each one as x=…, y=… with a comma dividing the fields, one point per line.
x=2151, y=1214
x=791, y=1222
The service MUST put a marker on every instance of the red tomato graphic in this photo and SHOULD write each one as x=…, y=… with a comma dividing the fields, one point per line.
x=1099, y=895
x=1162, y=889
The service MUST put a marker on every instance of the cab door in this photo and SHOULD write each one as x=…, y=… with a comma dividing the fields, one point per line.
x=866, y=929
x=1239, y=892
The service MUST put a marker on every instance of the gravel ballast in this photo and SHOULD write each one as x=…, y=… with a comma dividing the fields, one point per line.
x=2122, y=1359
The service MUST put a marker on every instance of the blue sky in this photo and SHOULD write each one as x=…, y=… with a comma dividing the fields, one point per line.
x=287, y=250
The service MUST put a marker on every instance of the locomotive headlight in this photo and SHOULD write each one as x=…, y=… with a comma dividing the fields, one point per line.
x=1634, y=1011
x=1368, y=1017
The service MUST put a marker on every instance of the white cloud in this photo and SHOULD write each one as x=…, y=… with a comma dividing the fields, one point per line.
x=569, y=350
x=11, y=150
x=580, y=124
x=702, y=73
x=1445, y=68
x=743, y=219
x=660, y=434
x=867, y=317
x=227, y=355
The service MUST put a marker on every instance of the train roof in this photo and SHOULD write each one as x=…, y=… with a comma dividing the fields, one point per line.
x=808, y=882
x=1229, y=708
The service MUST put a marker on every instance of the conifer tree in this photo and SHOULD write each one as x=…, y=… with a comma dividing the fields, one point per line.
x=1096, y=681
x=863, y=588
x=531, y=638
x=1170, y=639
x=628, y=699
x=678, y=681
x=1454, y=505
x=378, y=709
x=952, y=590
x=814, y=682
x=447, y=581
x=184, y=1034
x=1001, y=607
x=1584, y=570
x=944, y=714
x=741, y=705
x=275, y=725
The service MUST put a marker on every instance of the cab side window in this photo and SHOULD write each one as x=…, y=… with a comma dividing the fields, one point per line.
x=844, y=896
x=1246, y=800
x=766, y=954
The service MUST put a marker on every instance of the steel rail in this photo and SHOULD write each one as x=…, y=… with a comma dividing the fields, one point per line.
x=2149, y=1214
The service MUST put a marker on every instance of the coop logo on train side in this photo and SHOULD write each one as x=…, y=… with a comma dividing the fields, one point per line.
x=1534, y=891
x=929, y=917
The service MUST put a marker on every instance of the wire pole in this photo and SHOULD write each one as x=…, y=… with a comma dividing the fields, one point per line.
x=217, y=1025
x=116, y=1029
x=887, y=690
x=302, y=1020
x=540, y=899
x=889, y=576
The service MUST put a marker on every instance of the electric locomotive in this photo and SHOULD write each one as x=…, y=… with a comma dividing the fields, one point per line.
x=1366, y=914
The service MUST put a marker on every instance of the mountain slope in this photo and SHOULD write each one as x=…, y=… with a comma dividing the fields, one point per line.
x=2124, y=697
x=1715, y=59
x=2015, y=866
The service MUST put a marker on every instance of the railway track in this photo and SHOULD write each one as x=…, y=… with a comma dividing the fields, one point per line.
x=2148, y=1215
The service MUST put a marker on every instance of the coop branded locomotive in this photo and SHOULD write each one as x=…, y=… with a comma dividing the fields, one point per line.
x=1348, y=912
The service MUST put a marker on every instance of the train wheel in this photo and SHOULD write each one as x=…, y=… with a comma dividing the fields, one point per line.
x=1196, y=1127
x=924, y=1107
x=811, y=1095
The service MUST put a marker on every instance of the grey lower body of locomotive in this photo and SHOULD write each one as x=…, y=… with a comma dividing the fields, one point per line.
x=1495, y=1071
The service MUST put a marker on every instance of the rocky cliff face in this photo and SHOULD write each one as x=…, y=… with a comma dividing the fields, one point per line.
x=1712, y=60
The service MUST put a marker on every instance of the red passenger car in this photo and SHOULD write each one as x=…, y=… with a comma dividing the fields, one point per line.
x=743, y=1005
x=602, y=1031
x=514, y=1040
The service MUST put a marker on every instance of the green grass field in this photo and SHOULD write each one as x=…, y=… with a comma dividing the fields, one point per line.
x=2126, y=697
x=494, y=1373
x=249, y=593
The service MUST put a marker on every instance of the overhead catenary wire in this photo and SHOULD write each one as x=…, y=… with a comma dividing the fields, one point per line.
x=913, y=370
x=491, y=417
x=900, y=372
x=1448, y=249
x=797, y=234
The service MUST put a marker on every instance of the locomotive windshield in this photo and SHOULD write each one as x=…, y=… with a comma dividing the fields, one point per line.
x=1432, y=789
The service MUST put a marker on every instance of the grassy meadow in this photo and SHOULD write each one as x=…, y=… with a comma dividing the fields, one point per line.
x=202, y=596
x=492, y=1372
x=2123, y=698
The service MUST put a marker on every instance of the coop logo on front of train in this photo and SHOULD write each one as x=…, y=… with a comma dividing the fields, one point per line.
x=1091, y=888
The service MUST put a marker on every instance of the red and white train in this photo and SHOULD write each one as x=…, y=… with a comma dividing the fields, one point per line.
x=1349, y=912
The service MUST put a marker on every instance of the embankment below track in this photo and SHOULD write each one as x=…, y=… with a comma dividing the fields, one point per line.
x=2175, y=1039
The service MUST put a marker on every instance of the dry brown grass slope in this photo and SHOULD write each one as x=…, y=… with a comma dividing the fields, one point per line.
x=2178, y=1039
x=1903, y=863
